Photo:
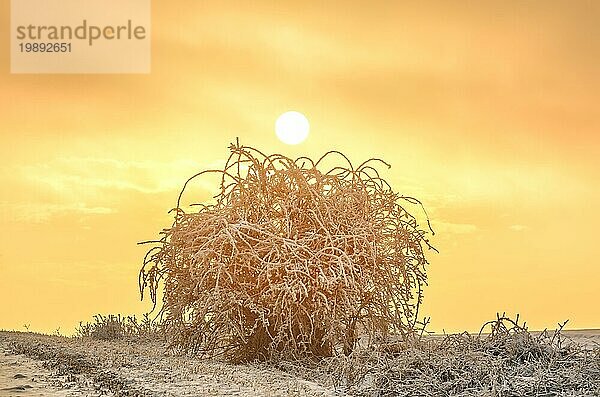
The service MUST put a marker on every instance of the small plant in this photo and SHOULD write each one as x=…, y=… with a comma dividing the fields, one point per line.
x=112, y=327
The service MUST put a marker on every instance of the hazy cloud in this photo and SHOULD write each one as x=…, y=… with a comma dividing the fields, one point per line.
x=95, y=175
x=94, y=186
x=453, y=228
x=518, y=228
x=42, y=212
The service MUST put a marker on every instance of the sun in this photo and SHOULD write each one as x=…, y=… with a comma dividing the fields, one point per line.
x=292, y=127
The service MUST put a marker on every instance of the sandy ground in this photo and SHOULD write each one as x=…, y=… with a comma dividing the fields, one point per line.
x=22, y=376
x=586, y=337
x=57, y=366
x=41, y=365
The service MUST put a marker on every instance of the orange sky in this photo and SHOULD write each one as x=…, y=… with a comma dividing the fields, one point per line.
x=487, y=111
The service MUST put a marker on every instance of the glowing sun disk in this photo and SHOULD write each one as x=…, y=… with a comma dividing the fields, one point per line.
x=292, y=127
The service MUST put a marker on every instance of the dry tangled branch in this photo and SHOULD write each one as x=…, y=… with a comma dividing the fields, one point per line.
x=291, y=260
x=507, y=361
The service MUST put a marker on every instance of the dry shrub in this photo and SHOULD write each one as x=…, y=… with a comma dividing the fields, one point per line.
x=507, y=361
x=112, y=327
x=291, y=260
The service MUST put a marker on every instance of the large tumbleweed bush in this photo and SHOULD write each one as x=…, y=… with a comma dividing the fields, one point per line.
x=290, y=260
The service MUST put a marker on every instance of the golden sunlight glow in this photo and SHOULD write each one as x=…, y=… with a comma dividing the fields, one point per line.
x=486, y=111
x=292, y=127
